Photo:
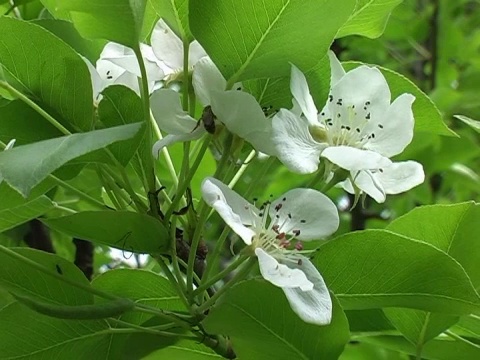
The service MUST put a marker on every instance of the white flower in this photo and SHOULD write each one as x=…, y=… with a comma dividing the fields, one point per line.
x=168, y=48
x=118, y=65
x=272, y=230
x=237, y=110
x=358, y=130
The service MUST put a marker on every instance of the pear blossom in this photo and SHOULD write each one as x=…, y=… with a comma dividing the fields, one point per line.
x=118, y=65
x=358, y=130
x=168, y=49
x=237, y=110
x=275, y=233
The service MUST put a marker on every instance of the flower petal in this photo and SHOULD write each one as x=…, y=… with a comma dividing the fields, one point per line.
x=351, y=158
x=314, y=306
x=281, y=275
x=363, y=89
x=394, y=131
x=401, y=176
x=207, y=80
x=308, y=211
x=368, y=182
x=243, y=116
x=172, y=139
x=195, y=53
x=234, y=209
x=301, y=93
x=295, y=147
x=169, y=115
x=97, y=82
x=167, y=46
x=336, y=69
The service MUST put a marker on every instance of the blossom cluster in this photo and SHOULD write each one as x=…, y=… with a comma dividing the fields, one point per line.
x=355, y=134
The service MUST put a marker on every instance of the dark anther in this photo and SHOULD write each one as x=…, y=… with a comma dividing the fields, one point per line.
x=367, y=103
x=358, y=130
x=368, y=116
x=347, y=127
x=289, y=215
x=373, y=136
x=339, y=102
x=278, y=207
x=303, y=221
x=323, y=114
x=299, y=262
x=380, y=126
x=330, y=98
x=284, y=199
x=338, y=115
x=296, y=232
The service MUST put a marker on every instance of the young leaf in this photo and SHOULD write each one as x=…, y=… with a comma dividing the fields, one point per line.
x=123, y=230
x=450, y=228
x=104, y=310
x=13, y=216
x=474, y=124
x=19, y=277
x=261, y=322
x=378, y=268
x=24, y=167
x=120, y=106
x=175, y=14
x=258, y=38
x=369, y=19
x=27, y=334
x=46, y=68
x=120, y=21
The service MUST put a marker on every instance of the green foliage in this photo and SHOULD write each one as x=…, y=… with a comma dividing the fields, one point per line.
x=44, y=67
x=369, y=18
x=243, y=38
x=255, y=331
x=394, y=271
x=123, y=230
x=406, y=286
x=115, y=20
x=26, y=166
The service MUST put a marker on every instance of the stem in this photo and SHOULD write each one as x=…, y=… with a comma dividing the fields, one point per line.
x=188, y=177
x=238, y=276
x=204, y=210
x=242, y=169
x=259, y=175
x=176, y=267
x=209, y=282
x=224, y=159
x=166, y=154
x=149, y=330
x=35, y=107
x=148, y=159
x=421, y=338
x=173, y=281
x=213, y=259
x=77, y=192
x=463, y=340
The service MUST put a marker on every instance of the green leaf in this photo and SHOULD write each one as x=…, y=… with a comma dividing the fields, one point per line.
x=18, y=276
x=427, y=116
x=120, y=106
x=261, y=322
x=258, y=38
x=13, y=216
x=19, y=121
x=369, y=19
x=417, y=326
x=120, y=21
x=450, y=228
x=49, y=70
x=175, y=14
x=23, y=167
x=184, y=349
x=147, y=288
x=474, y=124
x=441, y=349
x=123, y=230
x=65, y=30
x=377, y=268
x=54, y=8
x=25, y=334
